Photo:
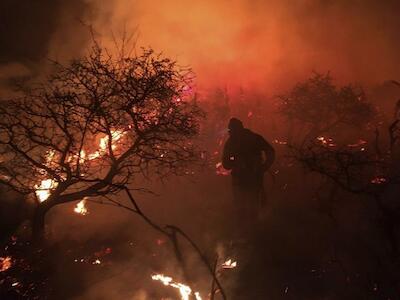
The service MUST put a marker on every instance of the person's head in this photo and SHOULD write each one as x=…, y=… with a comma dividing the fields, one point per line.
x=235, y=126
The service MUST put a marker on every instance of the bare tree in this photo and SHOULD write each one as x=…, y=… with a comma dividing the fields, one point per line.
x=94, y=125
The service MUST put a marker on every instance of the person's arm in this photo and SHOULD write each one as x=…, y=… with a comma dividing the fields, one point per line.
x=269, y=152
x=227, y=161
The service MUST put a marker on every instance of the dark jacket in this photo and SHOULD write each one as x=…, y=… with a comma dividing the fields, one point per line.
x=243, y=154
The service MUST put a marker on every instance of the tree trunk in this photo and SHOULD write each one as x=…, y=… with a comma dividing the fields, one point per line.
x=38, y=222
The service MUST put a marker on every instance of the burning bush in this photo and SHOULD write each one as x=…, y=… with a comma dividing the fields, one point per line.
x=94, y=125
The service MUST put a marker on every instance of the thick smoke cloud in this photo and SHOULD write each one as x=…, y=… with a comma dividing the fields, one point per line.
x=269, y=44
x=262, y=44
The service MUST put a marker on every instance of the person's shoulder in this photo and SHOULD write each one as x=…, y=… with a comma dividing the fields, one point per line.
x=258, y=139
x=253, y=134
x=249, y=132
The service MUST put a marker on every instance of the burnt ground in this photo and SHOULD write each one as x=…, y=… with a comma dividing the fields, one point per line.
x=297, y=251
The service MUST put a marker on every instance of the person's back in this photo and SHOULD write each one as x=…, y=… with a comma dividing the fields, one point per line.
x=243, y=154
x=248, y=155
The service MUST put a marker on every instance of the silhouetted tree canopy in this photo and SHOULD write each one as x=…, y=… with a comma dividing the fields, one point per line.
x=322, y=107
x=337, y=133
x=93, y=126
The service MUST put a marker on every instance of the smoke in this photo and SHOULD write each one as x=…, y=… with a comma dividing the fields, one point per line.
x=261, y=44
x=267, y=45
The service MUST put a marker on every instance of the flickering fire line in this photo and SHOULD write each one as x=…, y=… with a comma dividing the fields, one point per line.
x=184, y=290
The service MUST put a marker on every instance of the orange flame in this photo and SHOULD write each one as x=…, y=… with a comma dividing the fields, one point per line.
x=229, y=264
x=43, y=190
x=81, y=208
x=184, y=290
x=5, y=263
x=116, y=135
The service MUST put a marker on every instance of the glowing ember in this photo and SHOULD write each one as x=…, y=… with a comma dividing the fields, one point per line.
x=43, y=190
x=229, y=264
x=359, y=143
x=325, y=141
x=279, y=142
x=378, y=180
x=80, y=207
x=184, y=290
x=116, y=135
x=5, y=263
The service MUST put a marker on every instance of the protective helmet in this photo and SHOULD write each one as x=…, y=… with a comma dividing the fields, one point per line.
x=235, y=124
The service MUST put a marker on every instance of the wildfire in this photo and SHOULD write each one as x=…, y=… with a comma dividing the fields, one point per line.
x=5, y=263
x=229, y=264
x=184, y=290
x=326, y=141
x=116, y=135
x=43, y=190
x=81, y=208
x=378, y=180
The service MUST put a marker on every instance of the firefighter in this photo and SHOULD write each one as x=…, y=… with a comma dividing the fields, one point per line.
x=248, y=155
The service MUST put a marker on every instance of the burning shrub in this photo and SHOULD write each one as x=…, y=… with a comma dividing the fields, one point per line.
x=94, y=125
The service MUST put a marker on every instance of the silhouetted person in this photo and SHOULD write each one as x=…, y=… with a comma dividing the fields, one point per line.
x=248, y=155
